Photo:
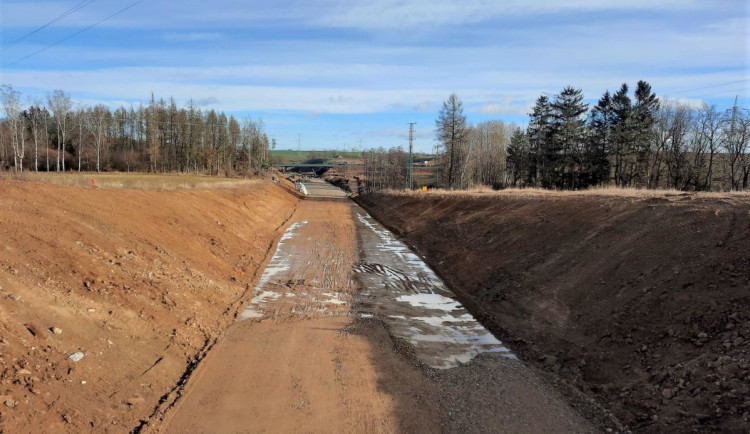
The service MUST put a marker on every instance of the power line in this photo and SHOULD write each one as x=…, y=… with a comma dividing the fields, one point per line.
x=706, y=87
x=75, y=8
x=718, y=94
x=75, y=34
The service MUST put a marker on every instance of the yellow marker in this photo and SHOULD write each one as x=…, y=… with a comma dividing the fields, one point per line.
x=424, y=188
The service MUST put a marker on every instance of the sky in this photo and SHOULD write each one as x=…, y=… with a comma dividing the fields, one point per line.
x=342, y=74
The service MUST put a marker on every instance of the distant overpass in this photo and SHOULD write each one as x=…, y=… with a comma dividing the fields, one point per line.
x=315, y=165
x=332, y=165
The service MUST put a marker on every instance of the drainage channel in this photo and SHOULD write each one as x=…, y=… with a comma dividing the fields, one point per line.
x=398, y=288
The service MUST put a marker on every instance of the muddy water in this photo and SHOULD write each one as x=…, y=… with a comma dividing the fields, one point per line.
x=276, y=274
x=400, y=289
x=397, y=287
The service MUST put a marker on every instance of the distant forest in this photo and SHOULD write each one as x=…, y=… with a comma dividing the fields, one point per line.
x=58, y=135
x=627, y=141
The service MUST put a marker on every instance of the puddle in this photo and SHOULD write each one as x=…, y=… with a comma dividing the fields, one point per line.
x=403, y=291
x=397, y=288
x=298, y=280
x=279, y=265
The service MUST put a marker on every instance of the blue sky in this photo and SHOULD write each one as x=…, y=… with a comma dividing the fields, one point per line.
x=337, y=72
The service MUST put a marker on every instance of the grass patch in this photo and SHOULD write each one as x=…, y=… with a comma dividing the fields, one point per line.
x=139, y=181
x=609, y=191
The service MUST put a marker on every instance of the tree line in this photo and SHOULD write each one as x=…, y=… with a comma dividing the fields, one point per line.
x=626, y=140
x=480, y=160
x=59, y=135
x=384, y=168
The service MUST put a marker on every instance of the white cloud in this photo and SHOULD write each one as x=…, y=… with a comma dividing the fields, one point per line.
x=424, y=106
x=208, y=101
x=239, y=88
x=690, y=102
x=192, y=36
x=492, y=109
x=365, y=14
x=373, y=14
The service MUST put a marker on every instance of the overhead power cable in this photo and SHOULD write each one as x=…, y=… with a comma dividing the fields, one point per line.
x=74, y=9
x=684, y=91
x=74, y=34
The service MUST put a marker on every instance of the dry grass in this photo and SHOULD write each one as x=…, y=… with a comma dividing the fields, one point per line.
x=484, y=191
x=140, y=181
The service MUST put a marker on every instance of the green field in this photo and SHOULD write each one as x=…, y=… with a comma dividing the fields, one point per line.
x=309, y=154
x=292, y=156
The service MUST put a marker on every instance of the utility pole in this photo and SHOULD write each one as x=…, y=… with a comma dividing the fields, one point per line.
x=299, y=146
x=410, y=163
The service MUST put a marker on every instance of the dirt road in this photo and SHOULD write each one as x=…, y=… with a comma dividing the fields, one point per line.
x=348, y=331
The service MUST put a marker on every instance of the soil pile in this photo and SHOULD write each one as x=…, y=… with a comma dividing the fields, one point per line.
x=109, y=297
x=640, y=302
x=341, y=182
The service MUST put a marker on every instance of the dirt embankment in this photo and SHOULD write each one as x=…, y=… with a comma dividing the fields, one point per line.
x=642, y=303
x=139, y=283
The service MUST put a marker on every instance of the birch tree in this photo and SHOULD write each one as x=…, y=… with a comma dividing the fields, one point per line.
x=60, y=104
x=11, y=100
x=37, y=123
x=98, y=120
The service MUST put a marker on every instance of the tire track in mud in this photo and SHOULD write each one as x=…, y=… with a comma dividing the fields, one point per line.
x=395, y=279
x=401, y=290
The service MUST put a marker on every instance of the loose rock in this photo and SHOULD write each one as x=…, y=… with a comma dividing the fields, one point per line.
x=76, y=356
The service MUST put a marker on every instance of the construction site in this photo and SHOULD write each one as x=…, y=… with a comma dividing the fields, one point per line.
x=374, y=216
x=168, y=303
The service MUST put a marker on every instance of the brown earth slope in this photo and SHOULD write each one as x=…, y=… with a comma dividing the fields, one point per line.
x=641, y=302
x=140, y=282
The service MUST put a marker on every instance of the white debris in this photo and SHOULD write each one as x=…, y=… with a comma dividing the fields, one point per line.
x=76, y=356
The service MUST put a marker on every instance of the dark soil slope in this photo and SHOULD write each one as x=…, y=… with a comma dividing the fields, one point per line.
x=641, y=302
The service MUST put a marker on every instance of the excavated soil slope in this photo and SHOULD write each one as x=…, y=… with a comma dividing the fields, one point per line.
x=640, y=302
x=141, y=283
x=319, y=349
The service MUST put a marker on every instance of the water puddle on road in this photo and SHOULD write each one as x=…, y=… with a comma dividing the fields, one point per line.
x=280, y=263
x=283, y=289
x=400, y=289
x=309, y=276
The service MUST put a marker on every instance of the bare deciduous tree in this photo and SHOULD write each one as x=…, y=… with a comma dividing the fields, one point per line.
x=60, y=104
x=11, y=100
x=737, y=135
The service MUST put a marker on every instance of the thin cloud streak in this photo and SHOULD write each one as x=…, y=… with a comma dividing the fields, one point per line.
x=342, y=66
